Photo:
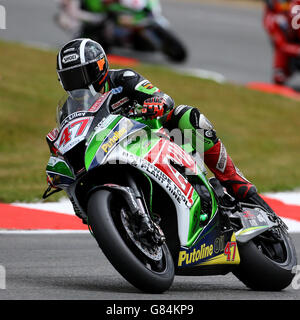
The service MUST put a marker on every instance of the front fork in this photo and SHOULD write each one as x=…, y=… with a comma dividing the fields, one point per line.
x=140, y=200
x=147, y=223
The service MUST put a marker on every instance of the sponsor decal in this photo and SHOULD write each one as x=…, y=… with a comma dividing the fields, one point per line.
x=159, y=176
x=72, y=116
x=230, y=251
x=70, y=58
x=166, y=152
x=52, y=135
x=216, y=250
x=254, y=219
x=117, y=90
x=146, y=87
x=96, y=106
x=113, y=140
x=222, y=161
x=110, y=138
x=119, y=103
x=196, y=255
x=247, y=214
x=72, y=133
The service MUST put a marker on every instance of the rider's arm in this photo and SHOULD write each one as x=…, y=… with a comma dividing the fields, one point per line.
x=143, y=91
x=73, y=9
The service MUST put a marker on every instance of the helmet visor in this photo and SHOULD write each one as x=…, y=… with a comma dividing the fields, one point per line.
x=79, y=77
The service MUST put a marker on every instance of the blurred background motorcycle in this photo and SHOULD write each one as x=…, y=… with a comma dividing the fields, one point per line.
x=132, y=24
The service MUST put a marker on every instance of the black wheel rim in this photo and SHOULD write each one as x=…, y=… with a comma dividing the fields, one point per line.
x=154, y=265
x=273, y=245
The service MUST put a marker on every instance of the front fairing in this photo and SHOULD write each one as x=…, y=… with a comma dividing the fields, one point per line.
x=119, y=140
x=59, y=172
x=112, y=131
x=77, y=115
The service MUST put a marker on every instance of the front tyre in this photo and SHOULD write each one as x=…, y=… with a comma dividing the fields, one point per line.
x=148, y=271
x=267, y=261
x=171, y=46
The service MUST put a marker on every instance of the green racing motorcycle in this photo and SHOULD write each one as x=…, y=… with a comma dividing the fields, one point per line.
x=151, y=208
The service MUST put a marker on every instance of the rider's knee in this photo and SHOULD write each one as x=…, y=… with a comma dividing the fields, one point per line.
x=197, y=119
x=194, y=119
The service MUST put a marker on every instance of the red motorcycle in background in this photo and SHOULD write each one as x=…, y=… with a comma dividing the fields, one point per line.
x=282, y=23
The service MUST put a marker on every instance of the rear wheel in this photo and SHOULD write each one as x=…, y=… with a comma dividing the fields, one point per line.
x=149, y=268
x=267, y=261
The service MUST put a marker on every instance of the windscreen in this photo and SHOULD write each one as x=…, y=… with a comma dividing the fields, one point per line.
x=77, y=100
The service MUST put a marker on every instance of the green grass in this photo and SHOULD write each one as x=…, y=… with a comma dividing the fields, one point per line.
x=260, y=131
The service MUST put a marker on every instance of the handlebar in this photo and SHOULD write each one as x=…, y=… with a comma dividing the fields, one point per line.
x=141, y=115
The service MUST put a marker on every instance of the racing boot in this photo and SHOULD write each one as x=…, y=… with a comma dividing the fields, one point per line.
x=219, y=162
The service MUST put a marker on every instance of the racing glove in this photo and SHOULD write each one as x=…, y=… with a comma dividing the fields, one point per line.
x=154, y=107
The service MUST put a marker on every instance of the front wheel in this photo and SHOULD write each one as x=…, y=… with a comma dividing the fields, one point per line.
x=267, y=261
x=172, y=47
x=150, y=269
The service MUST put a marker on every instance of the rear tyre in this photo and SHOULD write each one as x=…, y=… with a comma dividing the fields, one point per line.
x=267, y=262
x=148, y=269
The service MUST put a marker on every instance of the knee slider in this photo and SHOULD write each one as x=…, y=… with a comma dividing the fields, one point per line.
x=199, y=121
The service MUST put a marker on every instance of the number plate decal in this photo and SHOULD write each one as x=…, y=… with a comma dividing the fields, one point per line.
x=73, y=133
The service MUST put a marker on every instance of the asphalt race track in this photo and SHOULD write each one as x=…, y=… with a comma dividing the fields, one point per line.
x=225, y=39
x=71, y=266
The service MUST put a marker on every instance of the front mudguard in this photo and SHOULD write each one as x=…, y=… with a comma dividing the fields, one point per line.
x=126, y=192
x=79, y=197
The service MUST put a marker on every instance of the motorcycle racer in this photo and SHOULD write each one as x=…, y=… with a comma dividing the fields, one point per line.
x=74, y=12
x=81, y=15
x=82, y=64
x=285, y=39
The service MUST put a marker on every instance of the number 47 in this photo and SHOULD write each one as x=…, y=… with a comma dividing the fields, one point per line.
x=230, y=251
x=70, y=133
